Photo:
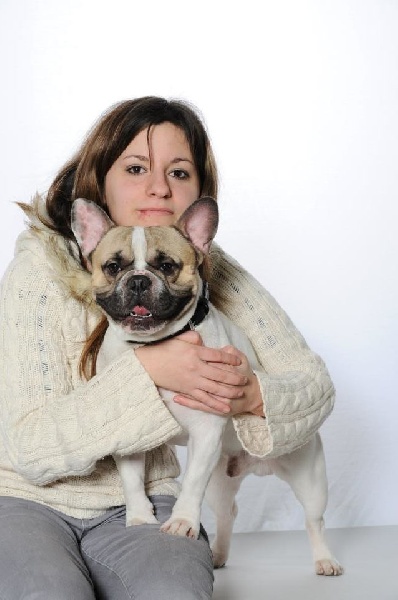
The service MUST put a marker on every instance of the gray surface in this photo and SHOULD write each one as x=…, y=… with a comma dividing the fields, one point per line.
x=278, y=566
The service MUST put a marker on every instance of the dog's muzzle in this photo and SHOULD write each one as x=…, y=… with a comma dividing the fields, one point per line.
x=143, y=301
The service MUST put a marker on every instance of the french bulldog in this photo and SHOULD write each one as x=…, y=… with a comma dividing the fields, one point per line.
x=148, y=283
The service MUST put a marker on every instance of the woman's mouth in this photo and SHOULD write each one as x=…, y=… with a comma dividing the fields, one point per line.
x=155, y=217
x=149, y=212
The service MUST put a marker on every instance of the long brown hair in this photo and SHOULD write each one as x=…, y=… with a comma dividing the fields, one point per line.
x=84, y=175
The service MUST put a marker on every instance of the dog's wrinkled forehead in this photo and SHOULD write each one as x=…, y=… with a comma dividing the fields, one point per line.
x=139, y=247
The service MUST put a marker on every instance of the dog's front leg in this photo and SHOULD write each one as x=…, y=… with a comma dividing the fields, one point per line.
x=139, y=508
x=131, y=468
x=204, y=449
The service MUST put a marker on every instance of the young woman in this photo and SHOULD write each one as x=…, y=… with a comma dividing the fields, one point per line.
x=62, y=529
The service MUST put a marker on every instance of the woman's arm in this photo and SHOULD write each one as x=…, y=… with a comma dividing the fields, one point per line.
x=296, y=388
x=53, y=425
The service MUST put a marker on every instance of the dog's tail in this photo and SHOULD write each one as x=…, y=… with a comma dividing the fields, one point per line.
x=88, y=358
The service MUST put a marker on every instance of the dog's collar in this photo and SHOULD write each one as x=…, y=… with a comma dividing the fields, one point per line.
x=201, y=312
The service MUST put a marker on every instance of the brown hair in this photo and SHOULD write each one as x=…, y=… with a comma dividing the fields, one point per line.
x=84, y=175
x=88, y=357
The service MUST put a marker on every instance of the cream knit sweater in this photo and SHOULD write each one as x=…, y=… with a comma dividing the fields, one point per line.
x=58, y=433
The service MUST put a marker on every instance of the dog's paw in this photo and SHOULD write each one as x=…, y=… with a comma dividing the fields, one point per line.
x=182, y=527
x=141, y=515
x=328, y=566
x=141, y=520
x=219, y=559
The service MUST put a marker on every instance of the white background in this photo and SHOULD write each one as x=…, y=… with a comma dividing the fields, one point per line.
x=301, y=101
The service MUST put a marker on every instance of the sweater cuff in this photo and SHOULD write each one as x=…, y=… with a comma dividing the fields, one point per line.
x=254, y=434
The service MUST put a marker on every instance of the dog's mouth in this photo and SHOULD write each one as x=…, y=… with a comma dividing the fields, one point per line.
x=145, y=316
x=140, y=319
x=140, y=312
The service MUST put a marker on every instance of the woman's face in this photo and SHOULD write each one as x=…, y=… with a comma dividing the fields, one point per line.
x=154, y=179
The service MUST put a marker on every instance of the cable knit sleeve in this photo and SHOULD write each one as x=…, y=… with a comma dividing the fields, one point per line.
x=295, y=384
x=53, y=425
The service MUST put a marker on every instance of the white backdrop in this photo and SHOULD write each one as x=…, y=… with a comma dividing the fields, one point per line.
x=301, y=102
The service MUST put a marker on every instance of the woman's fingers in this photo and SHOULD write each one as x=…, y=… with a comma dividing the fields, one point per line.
x=225, y=376
x=228, y=355
x=190, y=337
x=216, y=405
x=218, y=355
x=215, y=387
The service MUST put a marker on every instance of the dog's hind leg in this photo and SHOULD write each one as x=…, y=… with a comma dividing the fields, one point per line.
x=305, y=471
x=220, y=495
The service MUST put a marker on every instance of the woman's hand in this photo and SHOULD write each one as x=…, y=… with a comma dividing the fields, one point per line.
x=219, y=381
x=251, y=400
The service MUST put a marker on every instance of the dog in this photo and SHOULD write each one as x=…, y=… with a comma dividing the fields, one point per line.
x=148, y=283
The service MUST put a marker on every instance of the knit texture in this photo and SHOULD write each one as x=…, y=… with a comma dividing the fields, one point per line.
x=296, y=387
x=58, y=433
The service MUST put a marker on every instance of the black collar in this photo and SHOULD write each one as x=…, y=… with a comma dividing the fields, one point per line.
x=201, y=312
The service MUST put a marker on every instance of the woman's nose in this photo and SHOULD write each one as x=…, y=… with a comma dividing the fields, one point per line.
x=158, y=185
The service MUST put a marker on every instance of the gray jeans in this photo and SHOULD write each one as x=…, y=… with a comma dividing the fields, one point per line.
x=45, y=555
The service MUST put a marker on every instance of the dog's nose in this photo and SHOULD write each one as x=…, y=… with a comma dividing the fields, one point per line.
x=139, y=283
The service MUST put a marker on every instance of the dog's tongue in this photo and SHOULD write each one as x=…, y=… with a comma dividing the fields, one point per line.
x=141, y=311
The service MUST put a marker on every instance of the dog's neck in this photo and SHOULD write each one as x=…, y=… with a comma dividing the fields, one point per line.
x=201, y=311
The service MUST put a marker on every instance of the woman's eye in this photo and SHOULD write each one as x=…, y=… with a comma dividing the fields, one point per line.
x=136, y=169
x=179, y=174
x=112, y=268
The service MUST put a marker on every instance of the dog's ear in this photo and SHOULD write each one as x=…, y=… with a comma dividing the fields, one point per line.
x=89, y=224
x=199, y=223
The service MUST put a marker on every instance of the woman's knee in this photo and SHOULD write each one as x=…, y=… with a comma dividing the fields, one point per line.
x=144, y=563
x=39, y=556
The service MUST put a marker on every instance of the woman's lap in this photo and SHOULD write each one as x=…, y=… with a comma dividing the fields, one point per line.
x=66, y=558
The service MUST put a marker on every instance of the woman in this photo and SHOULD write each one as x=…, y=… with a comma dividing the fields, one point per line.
x=62, y=529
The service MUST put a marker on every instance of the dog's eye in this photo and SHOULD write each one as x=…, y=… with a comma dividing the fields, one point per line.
x=112, y=268
x=167, y=267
